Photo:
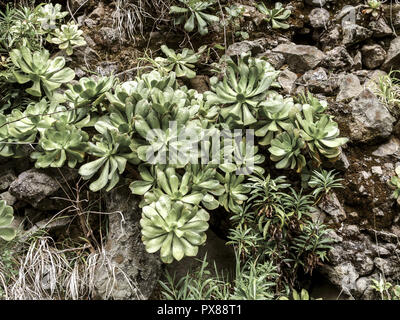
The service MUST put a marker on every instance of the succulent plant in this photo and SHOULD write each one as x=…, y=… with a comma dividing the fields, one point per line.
x=48, y=15
x=193, y=13
x=395, y=182
x=204, y=180
x=235, y=191
x=122, y=92
x=373, y=7
x=173, y=228
x=276, y=114
x=322, y=136
x=286, y=150
x=242, y=89
x=241, y=158
x=7, y=232
x=89, y=91
x=181, y=63
x=59, y=144
x=318, y=107
x=42, y=71
x=113, y=152
x=67, y=37
x=275, y=16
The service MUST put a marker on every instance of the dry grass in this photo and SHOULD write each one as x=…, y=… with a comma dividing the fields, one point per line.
x=131, y=17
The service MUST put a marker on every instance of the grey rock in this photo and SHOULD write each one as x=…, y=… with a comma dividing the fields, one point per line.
x=338, y=59
x=343, y=275
x=373, y=56
x=357, y=61
x=85, y=56
x=319, y=18
x=331, y=206
x=7, y=176
x=300, y=58
x=393, y=56
x=380, y=28
x=371, y=121
x=331, y=38
x=34, y=185
x=107, y=68
x=136, y=271
x=372, y=80
x=108, y=36
x=388, y=267
x=364, y=289
x=318, y=81
x=377, y=170
x=353, y=33
x=388, y=149
x=383, y=236
x=350, y=230
x=287, y=80
x=90, y=23
x=277, y=60
x=350, y=87
x=316, y=3
x=255, y=47
x=381, y=251
x=363, y=264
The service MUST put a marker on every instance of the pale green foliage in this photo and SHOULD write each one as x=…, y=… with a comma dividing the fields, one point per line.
x=286, y=151
x=113, y=152
x=45, y=73
x=173, y=228
x=275, y=16
x=324, y=181
x=89, y=91
x=244, y=86
x=67, y=37
x=48, y=15
x=395, y=183
x=374, y=7
x=235, y=191
x=181, y=63
x=61, y=143
x=193, y=14
x=275, y=113
x=304, y=295
x=388, y=90
x=7, y=232
x=321, y=136
x=387, y=290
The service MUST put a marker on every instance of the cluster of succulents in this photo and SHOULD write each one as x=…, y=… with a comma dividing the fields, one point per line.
x=163, y=130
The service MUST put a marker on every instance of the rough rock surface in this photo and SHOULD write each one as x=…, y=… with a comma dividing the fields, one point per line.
x=350, y=87
x=353, y=33
x=393, y=56
x=338, y=59
x=35, y=185
x=136, y=271
x=300, y=58
x=319, y=18
x=371, y=121
x=373, y=56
